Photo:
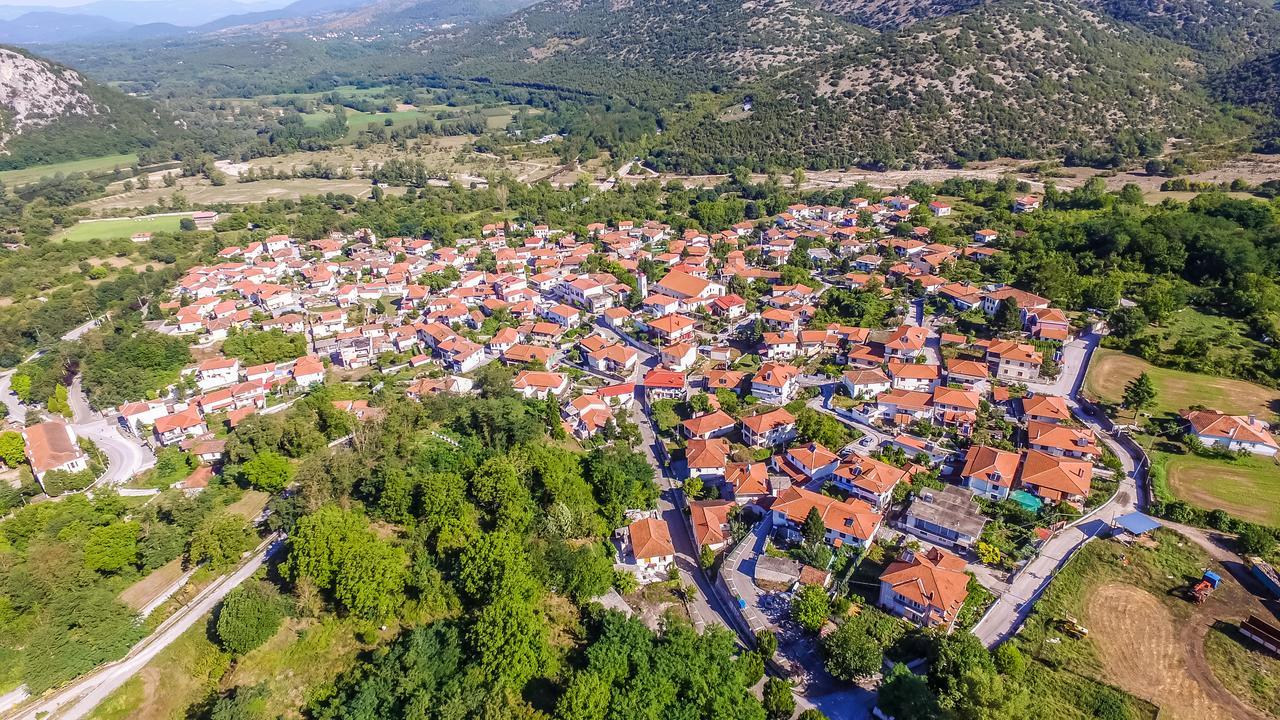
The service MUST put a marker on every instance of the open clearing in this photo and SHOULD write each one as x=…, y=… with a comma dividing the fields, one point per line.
x=149, y=588
x=1110, y=370
x=88, y=165
x=1144, y=637
x=1249, y=488
x=120, y=228
x=1244, y=667
x=1144, y=654
x=250, y=505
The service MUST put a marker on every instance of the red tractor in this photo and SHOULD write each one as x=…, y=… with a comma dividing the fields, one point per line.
x=1203, y=589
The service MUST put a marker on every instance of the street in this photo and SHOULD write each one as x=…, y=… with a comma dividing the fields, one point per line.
x=80, y=697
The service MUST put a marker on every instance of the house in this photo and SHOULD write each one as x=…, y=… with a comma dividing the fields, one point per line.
x=671, y=328
x=939, y=208
x=649, y=542
x=1062, y=440
x=852, y=522
x=906, y=342
x=747, y=482
x=948, y=516
x=1045, y=408
x=955, y=409
x=706, y=458
x=727, y=379
x=308, y=371
x=775, y=383
x=1055, y=479
x=1234, y=432
x=217, y=372
x=679, y=356
x=865, y=383
x=868, y=479
x=711, y=425
x=690, y=290
x=903, y=407
x=989, y=471
x=812, y=461
x=1024, y=300
x=710, y=519
x=662, y=384
x=1026, y=204
x=174, y=427
x=769, y=429
x=966, y=372
x=918, y=377
x=587, y=415
x=927, y=588
x=52, y=446
x=539, y=384
x=1014, y=360
x=729, y=307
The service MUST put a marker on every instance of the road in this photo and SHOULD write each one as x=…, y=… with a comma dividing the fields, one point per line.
x=80, y=697
x=1011, y=609
x=126, y=455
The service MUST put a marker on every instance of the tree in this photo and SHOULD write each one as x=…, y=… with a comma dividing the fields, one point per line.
x=812, y=714
x=337, y=551
x=778, y=701
x=1256, y=540
x=906, y=696
x=219, y=540
x=1008, y=317
x=1126, y=322
x=983, y=694
x=370, y=582
x=1139, y=393
x=503, y=494
x=851, y=654
x=112, y=547
x=766, y=643
x=810, y=607
x=509, y=639
x=249, y=616
x=268, y=471
x=59, y=402
x=707, y=557
x=814, y=529
x=585, y=698
x=952, y=656
x=12, y=448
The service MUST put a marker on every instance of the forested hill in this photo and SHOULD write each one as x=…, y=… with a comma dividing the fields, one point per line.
x=50, y=113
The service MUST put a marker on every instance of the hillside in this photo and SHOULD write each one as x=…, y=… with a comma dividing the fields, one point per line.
x=642, y=46
x=1019, y=78
x=50, y=113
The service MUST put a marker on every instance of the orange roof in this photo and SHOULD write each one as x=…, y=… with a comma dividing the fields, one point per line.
x=851, y=517
x=967, y=368
x=539, y=380
x=912, y=371
x=1236, y=428
x=747, y=478
x=650, y=538
x=1059, y=475
x=963, y=399
x=871, y=475
x=683, y=285
x=724, y=379
x=934, y=579
x=811, y=456
x=706, y=454
x=775, y=374
x=663, y=379
x=1061, y=437
x=49, y=446
x=671, y=324
x=1046, y=406
x=707, y=423
x=991, y=465
x=768, y=420
x=710, y=518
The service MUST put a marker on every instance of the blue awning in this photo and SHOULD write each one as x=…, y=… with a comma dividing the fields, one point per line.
x=1137, y=523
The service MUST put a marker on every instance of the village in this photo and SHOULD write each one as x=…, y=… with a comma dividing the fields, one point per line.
x=791, y=452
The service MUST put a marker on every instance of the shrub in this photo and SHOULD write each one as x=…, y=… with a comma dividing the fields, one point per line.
x=249, y=616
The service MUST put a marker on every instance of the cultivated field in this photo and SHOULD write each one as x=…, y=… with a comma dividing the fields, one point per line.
x=1144, y=637
x=1110, y=370
x=88, y=165
x=1248, y=488
x=120, y=228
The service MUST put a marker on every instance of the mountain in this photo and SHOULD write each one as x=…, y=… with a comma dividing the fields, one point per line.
x=142, y=12
x=38, y=28
x=51, y=113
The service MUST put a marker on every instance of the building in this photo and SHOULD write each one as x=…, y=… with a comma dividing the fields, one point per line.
x=540, y=385
x=1063, y=440
x=769, y=429
x=1045, y=408
x=928, y=588
x=865, y=384
x=989, y=471
x=710, y=520
x=747, y=482
x=1055, y=479
x=852, y=522
x=948, y=517
x=1014, y=360
x=52, y=446
x=775, y=383
x=812, y=461
x=649, y=544
x=173, y=428
x=706, y=458
x=1233, y=432
x=711, y=425
x=868, y=479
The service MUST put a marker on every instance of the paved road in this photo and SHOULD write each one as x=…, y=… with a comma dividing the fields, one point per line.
x=79, y=698
x=1011, y=610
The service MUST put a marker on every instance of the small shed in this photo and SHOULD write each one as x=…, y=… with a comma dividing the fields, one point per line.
x=1135, y=523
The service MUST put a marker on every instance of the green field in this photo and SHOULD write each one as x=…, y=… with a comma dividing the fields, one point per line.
x=122, y=228
x=1248, y=488
x=1244, y=667
x=1110, y=370
x=89, y=165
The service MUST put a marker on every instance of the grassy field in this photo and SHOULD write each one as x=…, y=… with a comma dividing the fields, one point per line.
x=89, y=165
x=148, y=588
x=1248, y=488
x=1244, y=667
x=1144, y=637
x=1110, y=370
x=120, y=228
x=302, y=656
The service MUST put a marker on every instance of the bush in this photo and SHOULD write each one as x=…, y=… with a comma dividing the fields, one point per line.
x=810, y=608
x=851, y=654
x=1256, y=540
x=249, y=616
